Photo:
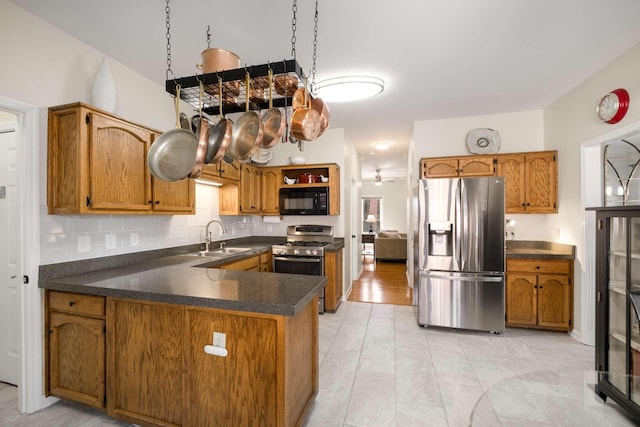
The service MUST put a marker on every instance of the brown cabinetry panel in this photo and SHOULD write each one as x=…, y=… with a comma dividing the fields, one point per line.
x=333, y=271
x=269, y=186
x=539, y=293
x=241, y=388
x=146, y=369
x=97, y=164
x=453, y=167
x=75, y=348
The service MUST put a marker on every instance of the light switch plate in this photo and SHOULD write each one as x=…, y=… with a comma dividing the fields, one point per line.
x=110, y=241
x=134, y=239
x=84, y=243
x=219, y=339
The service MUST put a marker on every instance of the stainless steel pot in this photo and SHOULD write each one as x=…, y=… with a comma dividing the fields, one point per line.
x=247, y=131
x=172, y=154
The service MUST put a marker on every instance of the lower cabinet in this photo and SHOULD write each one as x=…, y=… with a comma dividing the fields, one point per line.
x=75, y=360
x=145, y=363
x=539, y=293
x=159, y=373
x=333, y=271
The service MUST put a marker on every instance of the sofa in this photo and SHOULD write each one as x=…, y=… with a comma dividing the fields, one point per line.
x=389, y=245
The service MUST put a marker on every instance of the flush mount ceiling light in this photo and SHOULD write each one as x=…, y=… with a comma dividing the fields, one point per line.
x=382, y=145
x=349, y=88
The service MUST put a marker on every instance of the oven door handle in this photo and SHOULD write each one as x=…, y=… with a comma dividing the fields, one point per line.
x=288, y=259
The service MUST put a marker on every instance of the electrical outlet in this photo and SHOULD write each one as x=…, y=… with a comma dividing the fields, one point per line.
x=134, y=239
x=557, y=233
x=219, y=339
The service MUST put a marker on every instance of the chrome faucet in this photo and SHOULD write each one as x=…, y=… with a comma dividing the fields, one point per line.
x=208, y=233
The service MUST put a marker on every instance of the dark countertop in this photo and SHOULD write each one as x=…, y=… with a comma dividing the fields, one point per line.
x=186, y=280
x=539, y=249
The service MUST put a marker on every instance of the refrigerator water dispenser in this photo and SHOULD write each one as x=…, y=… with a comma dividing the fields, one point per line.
x=440, y=239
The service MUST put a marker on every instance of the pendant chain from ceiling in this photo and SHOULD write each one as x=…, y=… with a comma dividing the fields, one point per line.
x=168, y=23
x=294, y=9
x=315, y=48
x=208, y=36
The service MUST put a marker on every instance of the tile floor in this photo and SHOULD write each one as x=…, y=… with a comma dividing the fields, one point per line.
x=378, y=368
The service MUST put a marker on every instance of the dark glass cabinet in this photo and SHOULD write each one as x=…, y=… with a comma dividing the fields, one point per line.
x=617, y=333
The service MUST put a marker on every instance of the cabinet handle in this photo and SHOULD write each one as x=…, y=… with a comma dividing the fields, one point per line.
x=157, y=202
x=150, y=202
x=535, y=286
x=72, y=303
x=540, y=287
x=537, y=267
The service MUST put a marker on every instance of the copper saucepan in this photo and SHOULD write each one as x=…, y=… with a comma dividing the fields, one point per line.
x=273, y=119
x=214, y=59
x=305, y=122
x=247, y=131
x=325, y=115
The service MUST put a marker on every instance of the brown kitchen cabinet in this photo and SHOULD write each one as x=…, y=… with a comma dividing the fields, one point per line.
x=531, y=181
x=453, y=167
x=222, y=172
x=250, y=189
x=266, y=263
x=75, y=348
x=328, y=170
x=97, y=164
x=145, y=362
x=246, y=264
x=333, y=271
x=269, y=185
x=539, y=293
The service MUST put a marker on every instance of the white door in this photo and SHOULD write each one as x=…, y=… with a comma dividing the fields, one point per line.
x=9, y=255
x=356, y=257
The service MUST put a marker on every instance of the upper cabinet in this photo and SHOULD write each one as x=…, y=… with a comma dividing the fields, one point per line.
x=97, y=164
x=453, y=167
x=331, y=173
x=531, y=181
x=222, y=172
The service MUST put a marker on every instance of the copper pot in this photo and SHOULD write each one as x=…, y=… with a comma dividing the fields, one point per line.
x=305, y=122
x=323, y=110
x=214, y=59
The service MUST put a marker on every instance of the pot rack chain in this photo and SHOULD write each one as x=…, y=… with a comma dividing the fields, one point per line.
x=315, y=49
x=294, y=9
x=167, y=11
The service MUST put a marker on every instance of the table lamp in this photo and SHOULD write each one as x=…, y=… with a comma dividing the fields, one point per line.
x=371, y=219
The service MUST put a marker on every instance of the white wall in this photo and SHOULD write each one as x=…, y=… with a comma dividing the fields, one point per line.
x=570, y=122
x=522, y=131
x=394, y=203
x=44, y=66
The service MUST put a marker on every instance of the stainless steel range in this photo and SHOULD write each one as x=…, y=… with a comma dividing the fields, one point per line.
x=303, y=253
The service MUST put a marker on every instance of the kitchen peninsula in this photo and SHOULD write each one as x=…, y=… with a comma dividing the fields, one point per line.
x=175, y=341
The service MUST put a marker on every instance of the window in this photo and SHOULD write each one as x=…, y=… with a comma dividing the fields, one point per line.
x=371, y=208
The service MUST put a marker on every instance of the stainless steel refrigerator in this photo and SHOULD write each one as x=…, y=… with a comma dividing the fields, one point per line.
x=459, y=254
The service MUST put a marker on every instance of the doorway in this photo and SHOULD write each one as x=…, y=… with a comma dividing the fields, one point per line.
x=9, y=251
x=26, y=238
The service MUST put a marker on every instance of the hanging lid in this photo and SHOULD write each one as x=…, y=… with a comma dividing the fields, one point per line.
x=483, y=141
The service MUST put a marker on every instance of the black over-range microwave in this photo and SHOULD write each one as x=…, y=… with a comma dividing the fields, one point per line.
x=304, y=201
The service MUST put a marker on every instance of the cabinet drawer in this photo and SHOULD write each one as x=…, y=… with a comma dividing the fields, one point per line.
x=88, y=305
x=538, y=266
x=242, y=265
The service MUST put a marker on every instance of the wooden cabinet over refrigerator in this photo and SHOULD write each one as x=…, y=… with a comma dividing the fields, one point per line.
x=617, y=334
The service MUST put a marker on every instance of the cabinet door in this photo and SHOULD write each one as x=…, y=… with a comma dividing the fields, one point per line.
x=118, y=173
x=174, y=197
x=77, y=358
x=333, y=271
x=440, y=168
x=512, y=168
x=230, y=170
x=541, y=183
x=554, y=308
x=229, y=199
x=270, y=183
x=255, y=189
x=239, y=389
x=246, y=179
x=477, y=166
x=146, y=365
x=521, y=304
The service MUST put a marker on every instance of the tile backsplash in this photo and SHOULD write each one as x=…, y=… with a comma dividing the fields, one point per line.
x=73, y=237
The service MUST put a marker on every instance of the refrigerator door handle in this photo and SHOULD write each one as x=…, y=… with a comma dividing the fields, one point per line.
x=463, y=278
x=464, y=221
x=458, y=232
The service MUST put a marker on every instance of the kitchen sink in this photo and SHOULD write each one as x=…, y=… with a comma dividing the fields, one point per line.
x=220, y=252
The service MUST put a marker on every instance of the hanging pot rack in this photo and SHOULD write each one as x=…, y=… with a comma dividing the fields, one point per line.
x=234, y=87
